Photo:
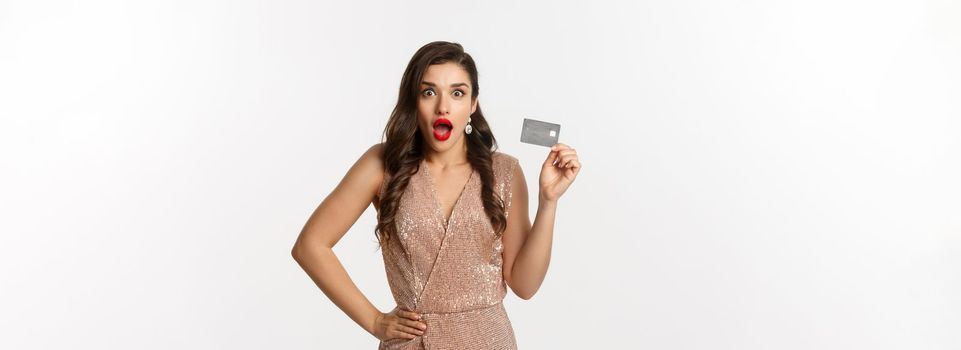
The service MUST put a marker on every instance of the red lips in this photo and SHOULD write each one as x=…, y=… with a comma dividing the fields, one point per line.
x=442, y=129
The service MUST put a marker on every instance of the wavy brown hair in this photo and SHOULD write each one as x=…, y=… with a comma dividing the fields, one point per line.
x=404, y=146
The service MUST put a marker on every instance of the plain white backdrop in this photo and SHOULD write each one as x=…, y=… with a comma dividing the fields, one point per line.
x=756, y=174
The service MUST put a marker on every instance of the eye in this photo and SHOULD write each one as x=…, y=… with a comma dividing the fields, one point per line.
x=428, y=92
x=458, y=93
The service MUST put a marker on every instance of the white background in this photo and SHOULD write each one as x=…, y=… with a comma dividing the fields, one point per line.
x=757, y=174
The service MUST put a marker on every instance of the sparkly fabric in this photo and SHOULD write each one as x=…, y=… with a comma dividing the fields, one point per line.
x=450, y=273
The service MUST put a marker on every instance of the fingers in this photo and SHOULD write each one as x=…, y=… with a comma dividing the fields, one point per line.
x=400, y=334
x=398, y=328
x=551, y=158
x=568, y=162
x=408, y=314
x=566, y=158
x=559, y=155
x=414, y=324
x=405, y=324
x=410, y=331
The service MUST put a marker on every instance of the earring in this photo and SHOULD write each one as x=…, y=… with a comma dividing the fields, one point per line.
x=469, y=128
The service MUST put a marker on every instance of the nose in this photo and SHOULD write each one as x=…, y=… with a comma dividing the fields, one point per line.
x=443, y=106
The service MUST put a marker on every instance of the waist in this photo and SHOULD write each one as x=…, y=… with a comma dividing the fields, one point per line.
x=476, y=309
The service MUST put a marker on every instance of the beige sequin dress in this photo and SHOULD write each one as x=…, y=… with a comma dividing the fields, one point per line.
x=450, y=273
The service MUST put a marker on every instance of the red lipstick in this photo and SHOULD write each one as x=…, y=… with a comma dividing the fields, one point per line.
x=442, y=129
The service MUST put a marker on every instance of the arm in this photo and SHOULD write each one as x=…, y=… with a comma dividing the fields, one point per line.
x=527, y=248
x=313, y=250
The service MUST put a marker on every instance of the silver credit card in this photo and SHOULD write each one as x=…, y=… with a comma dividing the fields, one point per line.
x=541, y=133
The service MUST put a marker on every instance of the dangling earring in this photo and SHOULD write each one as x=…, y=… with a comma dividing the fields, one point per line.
x=469, y=128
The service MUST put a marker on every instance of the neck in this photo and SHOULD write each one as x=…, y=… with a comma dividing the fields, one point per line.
x=454, y=156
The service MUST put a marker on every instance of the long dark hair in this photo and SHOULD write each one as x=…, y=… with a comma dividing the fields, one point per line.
x=404, y=146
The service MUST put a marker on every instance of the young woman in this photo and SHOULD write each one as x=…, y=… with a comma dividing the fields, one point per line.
x=450, y=238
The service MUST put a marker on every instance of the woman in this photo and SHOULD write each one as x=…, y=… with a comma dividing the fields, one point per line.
x=450, y=238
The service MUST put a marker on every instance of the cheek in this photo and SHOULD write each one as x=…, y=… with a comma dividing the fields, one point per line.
x=424, y=111
x=424, y=120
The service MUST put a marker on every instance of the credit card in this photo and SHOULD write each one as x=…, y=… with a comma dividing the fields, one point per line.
x=536, y=132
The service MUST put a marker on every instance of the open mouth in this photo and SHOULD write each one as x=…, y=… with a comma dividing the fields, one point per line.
x=442, y=129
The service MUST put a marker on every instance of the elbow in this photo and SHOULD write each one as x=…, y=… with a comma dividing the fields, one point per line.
x=519, y=290
x=295, y=253
x=303, y=251
x=525, y=294
x=298, y=253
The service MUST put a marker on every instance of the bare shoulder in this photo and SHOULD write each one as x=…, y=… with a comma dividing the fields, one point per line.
x=375, y=153
x=366, y=175
x=369, y=169
x=371, y=164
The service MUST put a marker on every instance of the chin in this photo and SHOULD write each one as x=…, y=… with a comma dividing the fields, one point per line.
x=439, y=146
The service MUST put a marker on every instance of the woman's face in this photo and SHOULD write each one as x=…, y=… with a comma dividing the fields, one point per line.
x=443, y=106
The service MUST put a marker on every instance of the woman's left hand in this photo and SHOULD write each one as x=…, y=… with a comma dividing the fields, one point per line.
x=558, y=172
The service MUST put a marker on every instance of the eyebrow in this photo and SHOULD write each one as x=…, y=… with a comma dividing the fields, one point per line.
x=451, y=85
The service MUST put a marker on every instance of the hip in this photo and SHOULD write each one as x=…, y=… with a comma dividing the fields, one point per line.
x=480, y=328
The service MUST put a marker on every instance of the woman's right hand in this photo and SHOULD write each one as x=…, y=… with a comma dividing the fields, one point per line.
x=398, y=323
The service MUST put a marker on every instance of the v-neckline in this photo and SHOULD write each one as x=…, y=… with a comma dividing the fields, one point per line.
x=438, y=206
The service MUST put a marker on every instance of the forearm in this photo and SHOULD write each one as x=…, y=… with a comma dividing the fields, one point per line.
x=323, y=267
x=530, y=266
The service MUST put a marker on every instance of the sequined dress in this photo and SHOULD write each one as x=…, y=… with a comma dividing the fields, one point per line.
x=450, y=273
